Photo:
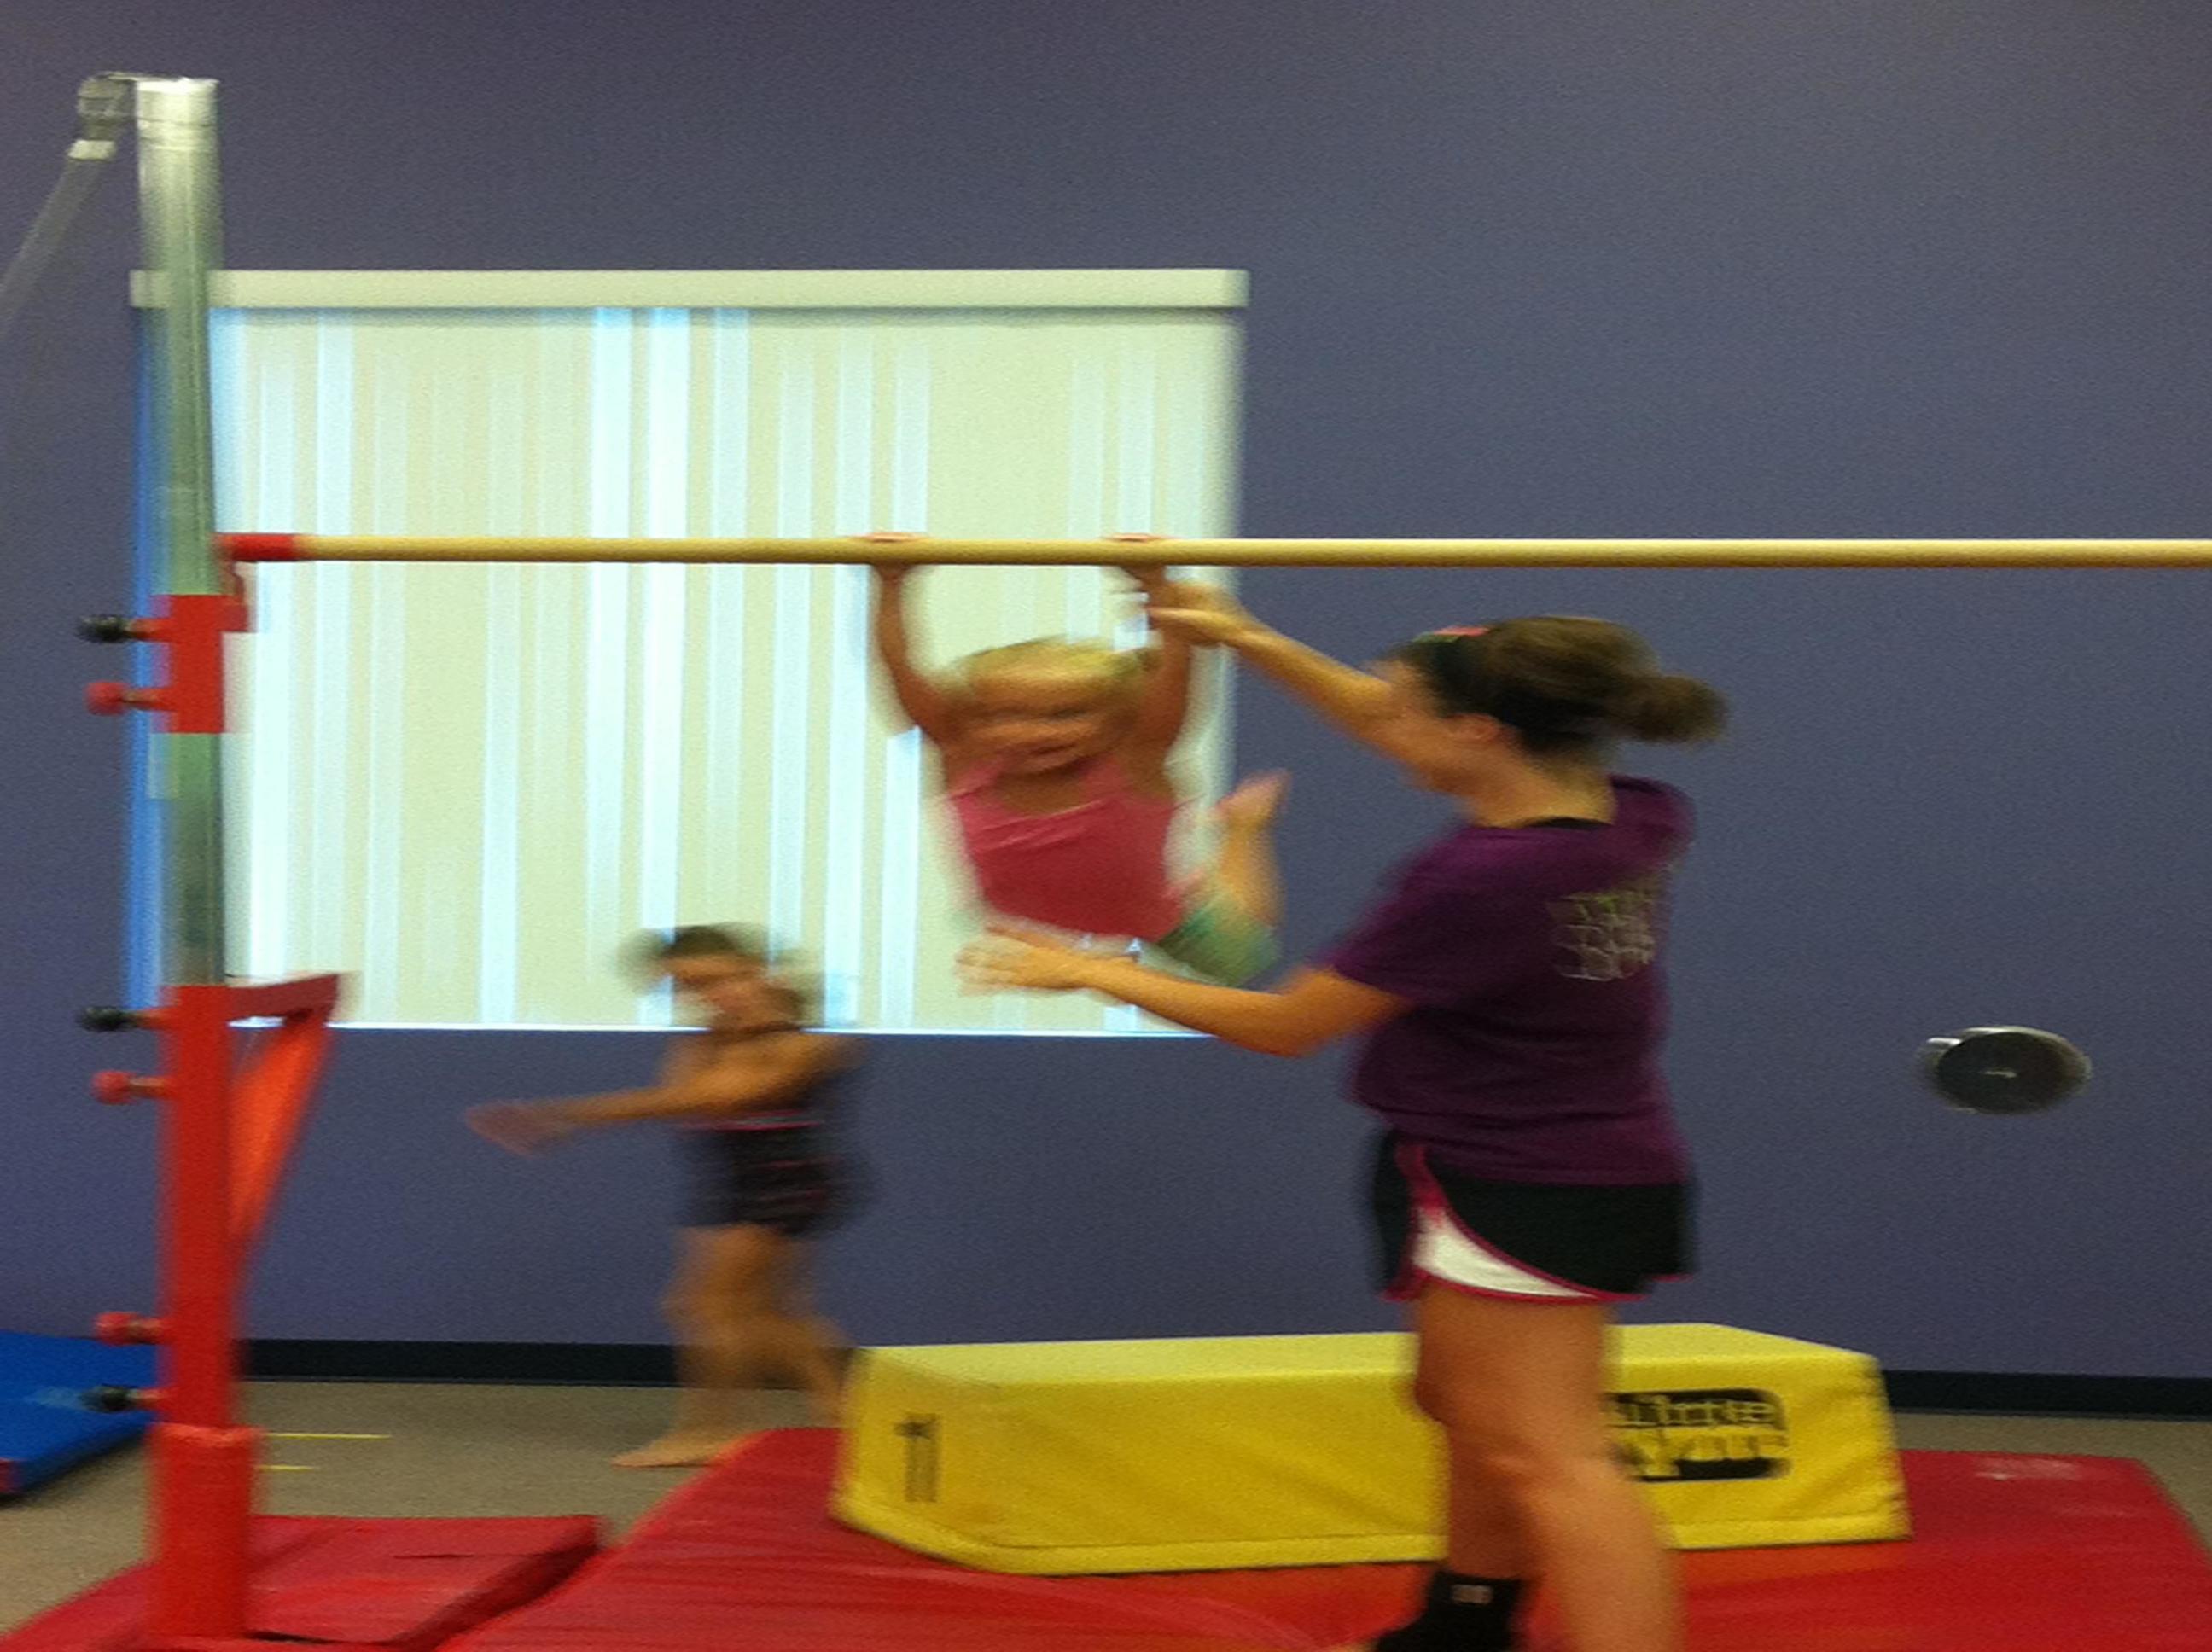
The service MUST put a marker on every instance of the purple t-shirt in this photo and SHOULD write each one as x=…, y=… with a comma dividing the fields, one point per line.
x=1530, y=957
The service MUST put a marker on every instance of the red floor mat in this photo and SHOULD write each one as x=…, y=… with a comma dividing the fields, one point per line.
x=2014, y=1554
x=350, y=1585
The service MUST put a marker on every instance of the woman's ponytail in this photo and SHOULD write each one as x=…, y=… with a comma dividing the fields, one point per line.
x=1668, y=709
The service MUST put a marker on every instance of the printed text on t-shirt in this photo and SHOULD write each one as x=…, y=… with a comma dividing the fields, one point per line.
x=1609, y=934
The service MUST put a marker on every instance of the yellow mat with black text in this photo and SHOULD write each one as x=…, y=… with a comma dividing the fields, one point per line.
x=1205, y=1452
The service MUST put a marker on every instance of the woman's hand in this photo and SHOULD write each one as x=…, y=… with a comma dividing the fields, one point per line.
x=1026, y=960
x=1205, y=614
x=1152, y=580
x=522, y=1127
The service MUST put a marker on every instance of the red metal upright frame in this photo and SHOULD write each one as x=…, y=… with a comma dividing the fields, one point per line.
x=232, y=1103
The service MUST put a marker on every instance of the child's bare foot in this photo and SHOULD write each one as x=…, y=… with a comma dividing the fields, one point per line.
x=679, y=1451
x=1252, y=805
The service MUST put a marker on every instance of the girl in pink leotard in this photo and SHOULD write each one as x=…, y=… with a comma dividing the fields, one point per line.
x=1054, y=758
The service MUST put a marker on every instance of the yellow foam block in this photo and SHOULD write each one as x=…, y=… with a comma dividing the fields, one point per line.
x=1747, y=1441
x=1205, y=1452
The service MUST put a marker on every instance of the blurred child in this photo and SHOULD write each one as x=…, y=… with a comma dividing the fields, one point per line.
x=753, y=1097
x=1054, y=757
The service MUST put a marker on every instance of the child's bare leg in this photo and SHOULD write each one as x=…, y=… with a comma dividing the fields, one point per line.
x=714, y=1304
x=1243, y=870
x=807, y=1344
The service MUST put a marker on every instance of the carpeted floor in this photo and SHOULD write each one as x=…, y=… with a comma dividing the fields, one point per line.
x=466, y=1450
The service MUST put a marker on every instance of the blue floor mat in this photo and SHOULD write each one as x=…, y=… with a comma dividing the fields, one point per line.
x=43, y=1427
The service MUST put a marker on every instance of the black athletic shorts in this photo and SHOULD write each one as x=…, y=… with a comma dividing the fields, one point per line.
x=1522, y=1242
x=768, y=1178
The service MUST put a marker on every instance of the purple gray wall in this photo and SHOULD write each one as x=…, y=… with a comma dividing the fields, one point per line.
x=1529, y=267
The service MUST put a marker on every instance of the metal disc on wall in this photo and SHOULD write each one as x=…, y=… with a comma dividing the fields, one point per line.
x=2003, y=1069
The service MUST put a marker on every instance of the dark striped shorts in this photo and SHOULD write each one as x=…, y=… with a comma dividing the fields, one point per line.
x=781, y=1178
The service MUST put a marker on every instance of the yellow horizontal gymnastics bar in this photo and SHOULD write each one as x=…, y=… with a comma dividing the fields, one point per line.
x=1241, y=553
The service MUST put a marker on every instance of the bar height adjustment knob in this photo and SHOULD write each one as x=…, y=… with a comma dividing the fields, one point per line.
x=116, y=1088
x=113, y=699
x=111, y=1018
x=120, y=1330
x=113, y=1397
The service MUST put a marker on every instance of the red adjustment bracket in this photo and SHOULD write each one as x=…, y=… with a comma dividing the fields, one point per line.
x=269, y=1092
x=258, y=547
x=116, y=1088
x=190, y=632
x=126, y=1330
x=304, y=997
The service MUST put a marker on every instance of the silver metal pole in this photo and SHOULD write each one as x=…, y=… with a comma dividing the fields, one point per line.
x=181, y=220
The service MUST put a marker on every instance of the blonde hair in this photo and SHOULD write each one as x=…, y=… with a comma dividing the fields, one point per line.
x=1114, y=672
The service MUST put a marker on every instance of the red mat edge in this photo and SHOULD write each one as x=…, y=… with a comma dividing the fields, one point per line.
x=1343, y=1604
x=109, y=1616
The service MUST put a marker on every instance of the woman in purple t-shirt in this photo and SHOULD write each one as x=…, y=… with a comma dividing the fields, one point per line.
x=1508, y=985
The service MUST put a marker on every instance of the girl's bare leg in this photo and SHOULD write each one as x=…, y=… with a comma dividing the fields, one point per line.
x=723, y=1278
x=1243, y=869
x=800, y=1341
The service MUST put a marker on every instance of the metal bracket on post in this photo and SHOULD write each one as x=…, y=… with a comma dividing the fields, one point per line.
x=231, y=1115
x=190, y=631
x=272, y=1089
